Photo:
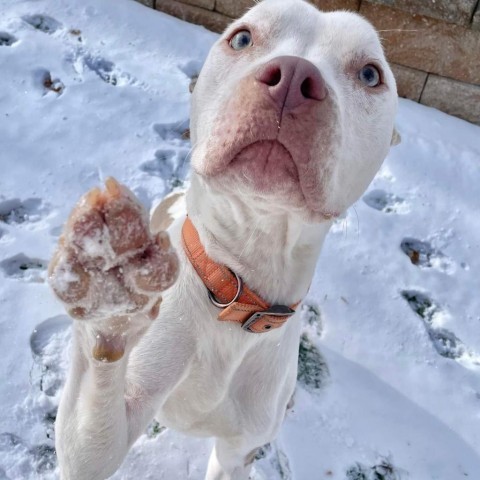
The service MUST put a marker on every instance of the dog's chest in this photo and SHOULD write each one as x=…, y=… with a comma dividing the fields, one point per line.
x=234, y=384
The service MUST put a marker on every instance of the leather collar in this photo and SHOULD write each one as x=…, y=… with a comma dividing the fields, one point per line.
x=226, y=290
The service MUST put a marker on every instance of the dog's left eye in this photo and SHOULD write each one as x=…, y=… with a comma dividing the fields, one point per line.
x=241, y=40
x=370, y=76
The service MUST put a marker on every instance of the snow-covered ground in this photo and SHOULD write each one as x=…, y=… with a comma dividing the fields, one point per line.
x=93, y=88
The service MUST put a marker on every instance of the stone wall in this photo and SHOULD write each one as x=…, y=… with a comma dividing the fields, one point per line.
x=433, y=45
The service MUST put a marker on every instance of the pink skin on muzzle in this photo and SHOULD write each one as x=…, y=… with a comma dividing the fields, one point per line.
x=276, y=133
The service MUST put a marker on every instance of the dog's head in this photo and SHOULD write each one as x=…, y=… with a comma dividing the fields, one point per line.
x=294, y=110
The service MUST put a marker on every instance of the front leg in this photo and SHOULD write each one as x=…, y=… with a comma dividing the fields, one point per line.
x=109, y=272
x=232, y=459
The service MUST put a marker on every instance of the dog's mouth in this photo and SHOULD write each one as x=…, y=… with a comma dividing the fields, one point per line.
x=265, y=165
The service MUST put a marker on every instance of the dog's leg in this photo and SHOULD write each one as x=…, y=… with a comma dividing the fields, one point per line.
x=231, y=460
x=109, y=272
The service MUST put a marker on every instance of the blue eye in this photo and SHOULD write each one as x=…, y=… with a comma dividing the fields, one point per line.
x=241, y=40
x=370, y=76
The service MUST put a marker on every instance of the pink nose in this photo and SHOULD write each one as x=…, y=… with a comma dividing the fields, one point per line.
x=292, y=81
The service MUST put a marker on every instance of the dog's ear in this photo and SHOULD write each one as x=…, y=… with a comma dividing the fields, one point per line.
x=396, y=138
x=193, y=82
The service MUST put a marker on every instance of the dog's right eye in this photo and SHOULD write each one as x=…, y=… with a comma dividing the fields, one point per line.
x=241, y=40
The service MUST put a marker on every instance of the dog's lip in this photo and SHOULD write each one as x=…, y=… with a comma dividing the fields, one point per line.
x=273, y=141
x=294, y=173
x=228, y=161
x=271, y=145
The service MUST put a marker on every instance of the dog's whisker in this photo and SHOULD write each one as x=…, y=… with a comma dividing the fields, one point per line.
x=358, y=222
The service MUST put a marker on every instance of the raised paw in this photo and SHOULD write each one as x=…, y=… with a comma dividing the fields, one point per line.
x=108, y=264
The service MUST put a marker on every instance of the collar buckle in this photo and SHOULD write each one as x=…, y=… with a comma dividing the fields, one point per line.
x=273, y=311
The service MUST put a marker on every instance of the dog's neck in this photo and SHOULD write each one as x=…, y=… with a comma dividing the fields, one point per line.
x=275, y=254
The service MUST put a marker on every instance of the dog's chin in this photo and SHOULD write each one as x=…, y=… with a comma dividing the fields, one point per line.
x=266, y=175
x=266, y=166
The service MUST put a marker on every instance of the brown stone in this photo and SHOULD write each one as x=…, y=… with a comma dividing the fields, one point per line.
x=427, y=44
x=148, y=3
x=410, y=82
x=456, y=98
x=212, y=20
x=208, y=4
x=458, y=11
x=332, y=5
x=234, y=8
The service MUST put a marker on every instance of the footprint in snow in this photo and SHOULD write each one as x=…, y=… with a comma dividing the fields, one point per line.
x=423, y=255
x=103, y=68
x=21, y=267
x=43, y=23
x=44, y=458
x=7, y=40
x=176, y=133
x=171, y=165
x=312, y=316
x=313, y=372
x=48, y=342
x=382, y=470
x=39, y=458
x=49, y=83
x=46, y=83
x=445, y=342
x=271, y=463
x=16, y=211
x=386, y=202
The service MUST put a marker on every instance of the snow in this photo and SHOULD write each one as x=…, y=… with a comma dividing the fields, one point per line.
x=90, y=90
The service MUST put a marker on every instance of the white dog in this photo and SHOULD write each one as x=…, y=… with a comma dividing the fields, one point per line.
x=292, y=115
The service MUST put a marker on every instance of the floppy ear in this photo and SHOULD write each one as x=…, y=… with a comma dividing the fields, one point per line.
x=396, y=138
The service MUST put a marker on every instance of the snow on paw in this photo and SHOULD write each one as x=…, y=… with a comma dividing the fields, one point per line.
x=157, y=268
x=68, y=278
x=125, y=218
x=108, y=265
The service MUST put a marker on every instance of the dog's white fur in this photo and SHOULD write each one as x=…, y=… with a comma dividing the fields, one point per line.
x=192, y=372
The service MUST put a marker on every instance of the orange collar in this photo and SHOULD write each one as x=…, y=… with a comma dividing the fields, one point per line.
x=227, y=291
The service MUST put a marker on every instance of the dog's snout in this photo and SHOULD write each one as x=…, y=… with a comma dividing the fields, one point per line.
x=292, y=81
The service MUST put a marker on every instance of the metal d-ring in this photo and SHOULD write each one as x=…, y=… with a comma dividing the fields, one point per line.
x=214, y=300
